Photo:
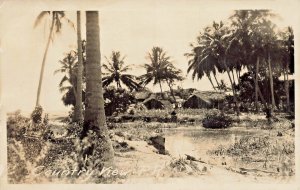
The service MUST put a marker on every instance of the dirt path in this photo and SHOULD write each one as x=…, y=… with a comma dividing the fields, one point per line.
x=146, y=166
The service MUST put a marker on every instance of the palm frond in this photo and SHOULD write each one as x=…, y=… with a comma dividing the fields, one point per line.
x=40, y=17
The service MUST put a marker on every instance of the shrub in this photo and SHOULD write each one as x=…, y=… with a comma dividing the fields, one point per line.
x=216, y=121
x=36, y=115
x=16, y=125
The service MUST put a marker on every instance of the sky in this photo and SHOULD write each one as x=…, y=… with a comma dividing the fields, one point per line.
x=131, y=27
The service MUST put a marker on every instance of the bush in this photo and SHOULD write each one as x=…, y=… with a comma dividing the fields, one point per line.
x=16, y=125
x=216, y=121
x=36, y=115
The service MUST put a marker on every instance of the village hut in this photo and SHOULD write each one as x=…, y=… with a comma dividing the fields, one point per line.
x=204, y=99
x=141, y=96
x=153, y=103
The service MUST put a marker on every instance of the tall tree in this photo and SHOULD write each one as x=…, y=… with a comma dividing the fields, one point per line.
x=171, y=75
x=94, y=117
x=68, y=68
x=247, y=26
x=78, y=116
x=287, y=52
x=116, y=71
x=55, y=27
x=155, y=70
x=218, y=41
x=202, y=64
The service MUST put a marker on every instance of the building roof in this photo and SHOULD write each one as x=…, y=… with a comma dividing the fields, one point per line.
x=209, y=95
x=142, y=95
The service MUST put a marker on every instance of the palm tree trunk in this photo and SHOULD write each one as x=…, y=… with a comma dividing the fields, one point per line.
x=161, y=89
x=94, y=117
x=44, y=62
x=233, y=77
x=237, y=76
x=78, y=117
x=271, y=82
x=287, y=92
x=256, y=85
x=171, y=90
x=233, y=90
x=218, y=84
x=259, y=92
x=72, y=83
x=119, y=85
x=209, y=78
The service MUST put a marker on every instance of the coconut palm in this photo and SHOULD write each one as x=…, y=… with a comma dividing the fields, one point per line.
x=155, y=70
x=94, y=117
x=202, y=66
x=78, y=116
x=217, y=42
x=116, y=72
x=55, y=27
x=287, y=52
x=171, y=75
x=69, y=69
x=246, y=24
x=271, y=52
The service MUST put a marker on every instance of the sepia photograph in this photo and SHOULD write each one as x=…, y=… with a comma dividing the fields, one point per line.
x=148, y=92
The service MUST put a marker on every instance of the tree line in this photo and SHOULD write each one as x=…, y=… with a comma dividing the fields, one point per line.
x=249, y=41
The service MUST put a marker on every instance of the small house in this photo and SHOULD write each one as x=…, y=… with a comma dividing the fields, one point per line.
x=152, y=103
x=141, y=96
x=204, y=99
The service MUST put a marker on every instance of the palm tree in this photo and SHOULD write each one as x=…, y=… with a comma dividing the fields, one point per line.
x=287, y=52
x=94, y=117
x=247, y=25
x=217, y=43
x=155, y=70
x=271, y=52
x=202, y=64
x=78, y=116
x=56, y=25
x=171, y=75
x=69, y=68
x=68, y=83
x=117, y=72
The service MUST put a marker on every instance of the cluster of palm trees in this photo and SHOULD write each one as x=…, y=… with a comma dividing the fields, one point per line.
x=82, y=71
x=249, y=41
x=115, y=71
x=94, y=117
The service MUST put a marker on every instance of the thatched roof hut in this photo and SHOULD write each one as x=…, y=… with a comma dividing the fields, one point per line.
x=142, y=95
x=152, y=103
x=204, y=99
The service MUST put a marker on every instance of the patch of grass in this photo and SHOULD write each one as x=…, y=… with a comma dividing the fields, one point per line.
x=178, y=167
x=268, y=152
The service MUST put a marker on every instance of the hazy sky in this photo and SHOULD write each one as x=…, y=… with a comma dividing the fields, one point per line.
x=131, y=27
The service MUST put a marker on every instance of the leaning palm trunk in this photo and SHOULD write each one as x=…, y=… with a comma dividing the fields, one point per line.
x=256, y=85
x=237, y=107
x=209, y=78
x=44, y=62
x=78, y=117
x=218, y=84
x=259, y=91
x=94, y=117
x=271, y=82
